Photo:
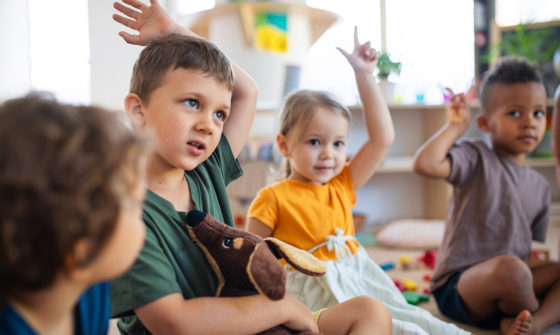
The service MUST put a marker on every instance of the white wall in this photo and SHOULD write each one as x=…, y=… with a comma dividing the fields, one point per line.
x=15, y=71
x=268, y=69
x=111, y=58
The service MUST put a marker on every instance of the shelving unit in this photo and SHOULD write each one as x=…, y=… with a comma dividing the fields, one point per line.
x=321, y=20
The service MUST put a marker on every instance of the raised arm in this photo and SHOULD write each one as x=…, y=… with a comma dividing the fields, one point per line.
x=152, y=22
x=431, y=158
x=173, y=314
x=381, y=133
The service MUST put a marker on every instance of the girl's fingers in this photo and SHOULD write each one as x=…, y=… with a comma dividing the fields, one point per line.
x=356, y=41
x=346, y=54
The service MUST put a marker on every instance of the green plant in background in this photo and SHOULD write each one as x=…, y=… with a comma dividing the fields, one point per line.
x=533, y=44
x=386, y=66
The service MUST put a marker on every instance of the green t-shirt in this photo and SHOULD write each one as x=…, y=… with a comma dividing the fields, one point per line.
x=169, y=261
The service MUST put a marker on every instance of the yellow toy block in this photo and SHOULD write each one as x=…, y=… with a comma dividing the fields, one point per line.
x=410, y=284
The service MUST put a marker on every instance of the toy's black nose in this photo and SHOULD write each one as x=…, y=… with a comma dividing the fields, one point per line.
x=195, y=217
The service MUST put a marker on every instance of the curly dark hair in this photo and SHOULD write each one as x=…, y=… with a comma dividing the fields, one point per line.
x=65, y=172
x=509, y=70
x=178, y=51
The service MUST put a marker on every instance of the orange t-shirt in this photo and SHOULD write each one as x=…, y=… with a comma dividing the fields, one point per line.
x=304, y=214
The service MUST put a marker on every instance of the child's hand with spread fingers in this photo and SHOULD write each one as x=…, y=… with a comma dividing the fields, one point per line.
x=459, y=110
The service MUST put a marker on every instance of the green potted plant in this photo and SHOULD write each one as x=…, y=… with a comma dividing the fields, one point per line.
x=386, y=66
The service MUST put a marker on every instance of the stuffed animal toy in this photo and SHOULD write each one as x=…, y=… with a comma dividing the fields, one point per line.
x=247, y=264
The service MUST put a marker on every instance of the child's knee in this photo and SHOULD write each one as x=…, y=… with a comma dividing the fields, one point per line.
x=512, y=274
x=368, y=306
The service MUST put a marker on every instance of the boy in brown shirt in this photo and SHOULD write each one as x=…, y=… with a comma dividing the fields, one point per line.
x=499, y=205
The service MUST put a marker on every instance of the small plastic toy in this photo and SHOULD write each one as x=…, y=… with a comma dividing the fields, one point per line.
x=406, y=262
x=387, y=266
x=410, y=284
x=399, y=285
x=415, y=298
x=428, y=259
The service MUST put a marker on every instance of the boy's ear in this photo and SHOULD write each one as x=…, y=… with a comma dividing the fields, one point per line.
x=135, y=109
x=282, y=143
x=482, y=122
x=74, y=263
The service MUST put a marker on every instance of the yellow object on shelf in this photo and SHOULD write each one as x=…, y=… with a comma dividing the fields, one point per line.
x=272, y=32
x=320, y=19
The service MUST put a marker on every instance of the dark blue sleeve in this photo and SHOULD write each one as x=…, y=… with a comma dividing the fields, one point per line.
x=93, y=311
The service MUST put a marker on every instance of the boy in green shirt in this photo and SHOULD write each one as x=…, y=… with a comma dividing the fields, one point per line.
x=200, y=108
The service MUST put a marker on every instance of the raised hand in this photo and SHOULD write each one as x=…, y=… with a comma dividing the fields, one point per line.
x=151, y=22
x=459, y=111
x=363, y=58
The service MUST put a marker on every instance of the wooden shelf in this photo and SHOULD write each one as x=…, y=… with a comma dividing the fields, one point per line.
x=396, y=164
x=320, y=19
x=400, y=164
x=540, y=162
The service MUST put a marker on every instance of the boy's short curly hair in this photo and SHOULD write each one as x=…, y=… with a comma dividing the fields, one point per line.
x=65, y=172
x=508, y=70
x=178, y=51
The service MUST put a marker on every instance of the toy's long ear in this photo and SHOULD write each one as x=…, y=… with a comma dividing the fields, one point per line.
x=266, y=273
x=301, y=260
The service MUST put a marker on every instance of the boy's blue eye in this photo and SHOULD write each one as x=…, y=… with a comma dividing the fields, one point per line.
x=538, y=113
x=314, y=142
x=339, y=144
x=220, y=115
x=191, y=103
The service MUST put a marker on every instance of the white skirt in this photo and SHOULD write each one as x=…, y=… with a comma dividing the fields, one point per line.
x=357, y=275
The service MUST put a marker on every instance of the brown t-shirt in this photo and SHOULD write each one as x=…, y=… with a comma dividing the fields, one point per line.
x=497, y=208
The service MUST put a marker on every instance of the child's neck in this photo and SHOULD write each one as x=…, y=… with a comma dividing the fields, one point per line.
x=517, y=158
x=170, y=184
x=51, y=310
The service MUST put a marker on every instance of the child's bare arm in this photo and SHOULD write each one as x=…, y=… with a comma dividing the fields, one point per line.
x=256, y=226
x=152, y=22
x=381, y=133
x=173, y=314
x=431, y=159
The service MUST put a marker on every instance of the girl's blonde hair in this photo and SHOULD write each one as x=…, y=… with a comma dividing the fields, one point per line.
x=300, y=107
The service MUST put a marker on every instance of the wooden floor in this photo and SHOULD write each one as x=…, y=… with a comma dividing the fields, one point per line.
x=383, y=255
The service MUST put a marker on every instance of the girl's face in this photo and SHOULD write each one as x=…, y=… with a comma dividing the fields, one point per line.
x=317, y=153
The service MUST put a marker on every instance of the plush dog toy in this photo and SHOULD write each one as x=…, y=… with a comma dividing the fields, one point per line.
x=247, y=264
